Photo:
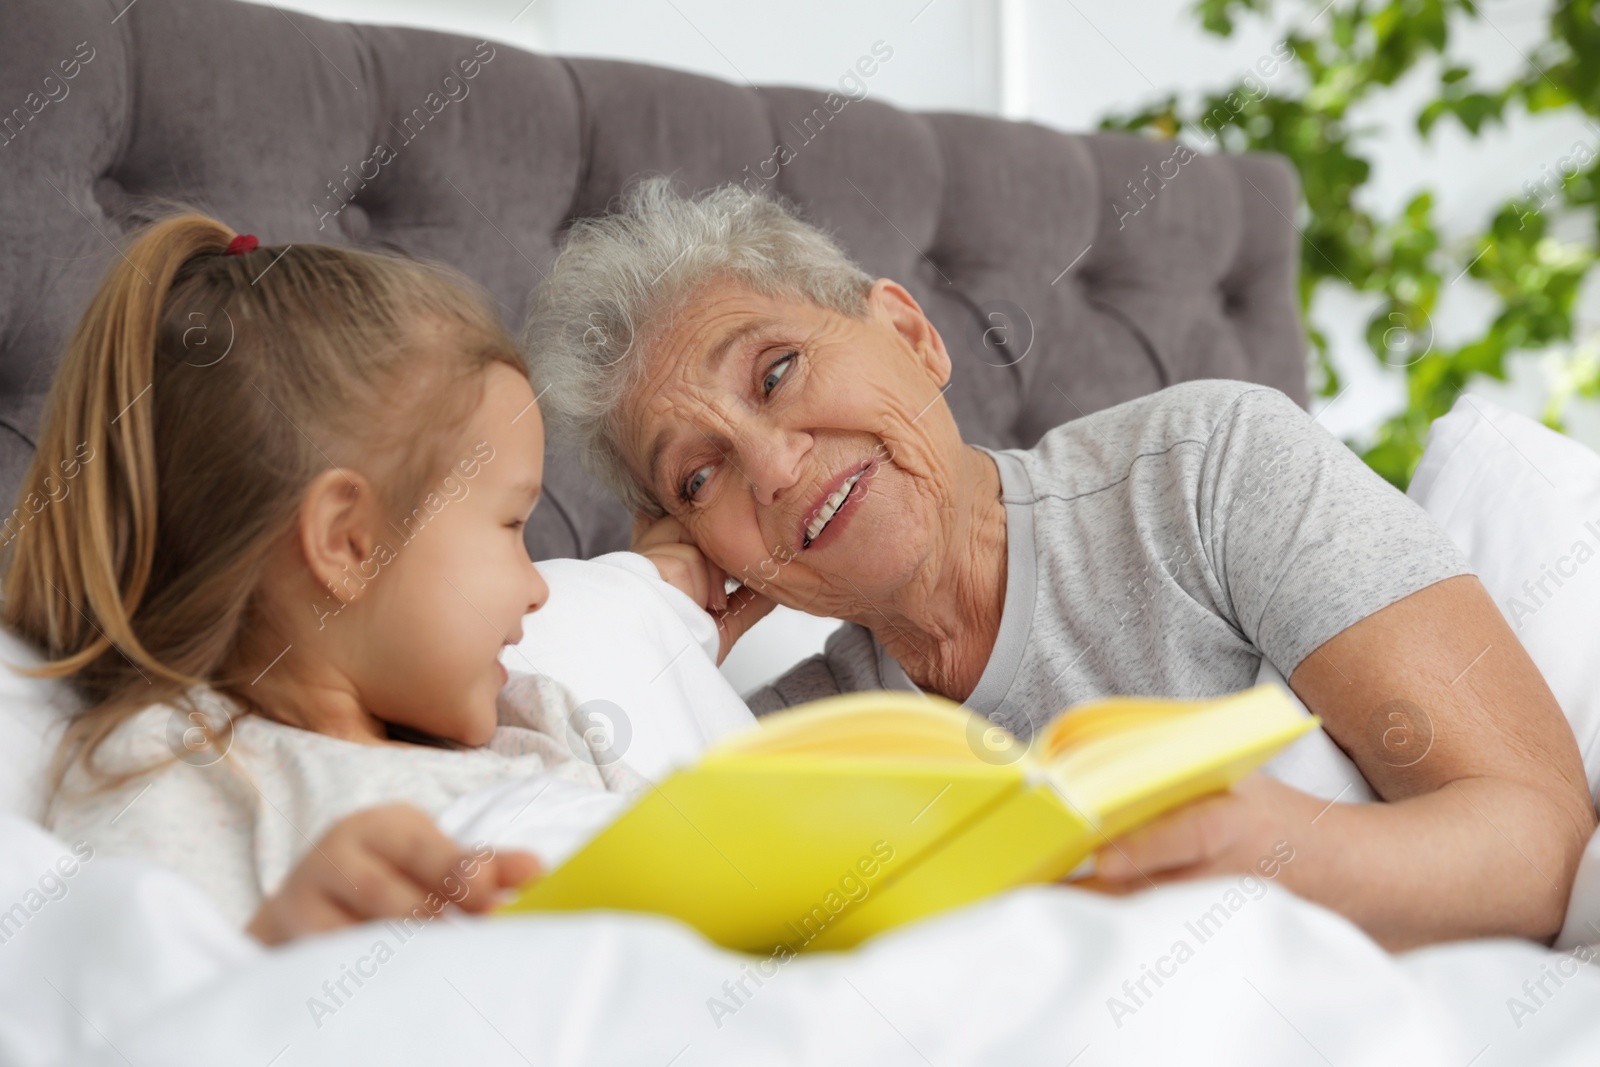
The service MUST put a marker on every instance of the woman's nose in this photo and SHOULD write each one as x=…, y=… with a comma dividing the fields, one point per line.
x=772, y=460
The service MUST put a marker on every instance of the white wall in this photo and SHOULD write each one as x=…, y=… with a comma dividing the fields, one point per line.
x=944, y=52
x=1066, y=65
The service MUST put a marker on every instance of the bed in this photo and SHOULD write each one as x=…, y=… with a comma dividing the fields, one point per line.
x=1054, y=304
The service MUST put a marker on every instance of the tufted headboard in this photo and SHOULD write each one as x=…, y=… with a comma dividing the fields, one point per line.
x=1065, y=272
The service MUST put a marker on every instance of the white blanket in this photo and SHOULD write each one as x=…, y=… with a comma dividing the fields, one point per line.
x=126, y=964
x=121, y=963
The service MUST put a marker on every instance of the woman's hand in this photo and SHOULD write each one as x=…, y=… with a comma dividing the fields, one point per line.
x=669, y=546
x=384, y=863
x=1254, y=829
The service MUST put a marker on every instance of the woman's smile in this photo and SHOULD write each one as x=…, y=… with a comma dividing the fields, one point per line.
x=785, y=469
x=836, y=504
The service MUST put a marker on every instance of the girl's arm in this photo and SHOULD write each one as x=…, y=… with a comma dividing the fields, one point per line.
x=1489, y=810
x=385, y=863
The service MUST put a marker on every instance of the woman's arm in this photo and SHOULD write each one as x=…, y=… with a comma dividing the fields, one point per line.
x=1489, y=810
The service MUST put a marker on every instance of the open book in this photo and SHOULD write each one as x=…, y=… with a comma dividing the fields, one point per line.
x=851, y=815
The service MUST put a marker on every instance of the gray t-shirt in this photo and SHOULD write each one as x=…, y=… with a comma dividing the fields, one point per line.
x=1161, y=548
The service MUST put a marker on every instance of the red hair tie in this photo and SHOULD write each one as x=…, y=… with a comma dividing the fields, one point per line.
x=245, y=242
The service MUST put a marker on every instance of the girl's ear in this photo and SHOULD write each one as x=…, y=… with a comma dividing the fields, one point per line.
x=890, y=300
x=338, y=516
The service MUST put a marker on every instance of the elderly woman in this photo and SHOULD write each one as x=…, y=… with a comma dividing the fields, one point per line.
x=751, y=394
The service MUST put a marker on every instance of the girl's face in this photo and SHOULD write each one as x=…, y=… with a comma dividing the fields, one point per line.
x=441, y=594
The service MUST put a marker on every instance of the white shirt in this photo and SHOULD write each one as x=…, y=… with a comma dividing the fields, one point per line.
x=236, y=825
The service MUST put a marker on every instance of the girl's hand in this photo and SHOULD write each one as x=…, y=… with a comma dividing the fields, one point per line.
x=384, y=863
x=668, y=545
x=1254, y=829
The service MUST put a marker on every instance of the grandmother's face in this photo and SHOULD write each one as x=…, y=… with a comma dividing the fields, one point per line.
x=810, y=454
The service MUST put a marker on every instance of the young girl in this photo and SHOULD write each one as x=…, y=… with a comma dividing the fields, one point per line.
x=273, y=533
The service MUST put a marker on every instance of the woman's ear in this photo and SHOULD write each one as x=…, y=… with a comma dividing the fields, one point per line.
x=890, y=300
x=338, y=517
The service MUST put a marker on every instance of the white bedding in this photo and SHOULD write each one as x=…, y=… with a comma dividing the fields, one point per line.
x=121, y=963
x=131, y=966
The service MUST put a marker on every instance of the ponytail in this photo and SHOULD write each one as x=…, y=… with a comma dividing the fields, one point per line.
x=84, y=533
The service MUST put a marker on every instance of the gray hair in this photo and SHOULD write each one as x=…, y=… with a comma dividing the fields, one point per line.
x=623, y=276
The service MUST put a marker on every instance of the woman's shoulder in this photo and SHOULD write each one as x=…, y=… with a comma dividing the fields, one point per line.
x=1185, y=411
x=1099, y=450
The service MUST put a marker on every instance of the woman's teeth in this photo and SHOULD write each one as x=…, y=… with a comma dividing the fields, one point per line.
x=831, y=506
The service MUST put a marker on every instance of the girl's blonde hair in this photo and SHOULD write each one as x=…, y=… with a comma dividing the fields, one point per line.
x=199, y=396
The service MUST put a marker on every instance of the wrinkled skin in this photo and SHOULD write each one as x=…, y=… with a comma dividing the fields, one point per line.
x=804, y=396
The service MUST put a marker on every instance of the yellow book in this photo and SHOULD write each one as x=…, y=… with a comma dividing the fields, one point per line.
x=848, y=816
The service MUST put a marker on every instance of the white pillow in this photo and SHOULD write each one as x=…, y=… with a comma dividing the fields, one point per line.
x=1523, y=502
x=638, y=654
x=770, y=647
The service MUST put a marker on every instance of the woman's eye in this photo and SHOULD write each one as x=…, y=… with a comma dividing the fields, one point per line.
x=517, y=524
x=777, y=371
x=695, y=482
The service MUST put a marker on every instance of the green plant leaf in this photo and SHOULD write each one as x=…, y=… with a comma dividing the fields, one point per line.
x=1354, y=52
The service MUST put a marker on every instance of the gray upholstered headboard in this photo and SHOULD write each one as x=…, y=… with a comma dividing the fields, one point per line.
x=273, y=122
